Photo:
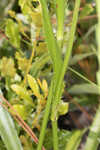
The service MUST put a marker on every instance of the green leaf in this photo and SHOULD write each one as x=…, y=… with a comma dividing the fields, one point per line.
x=86, y=11
x=79, y=57
x=8, y=132
x=50, y=38
x=21, y=109
x=39, y=64
x=41, y=48
x=34, y=86
x=84, y=88
x=35, y=15
x=22, y=3
x=45, y=87
x=22, y=62
x=74, y=140
x=63, y=108
x=25, y=7
x=6, y=63
x=23, y=93
x=12, y=32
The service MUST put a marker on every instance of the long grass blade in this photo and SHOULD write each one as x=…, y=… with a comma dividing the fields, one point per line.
x=49, y=37
x=8, y=132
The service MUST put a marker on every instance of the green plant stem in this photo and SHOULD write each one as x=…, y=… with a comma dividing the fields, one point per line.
x=55, y=54
x=60, y=12
x=58, y=76
x=98, y=40
x=53, y=48
x=59, y=82
x=55, y=137
x=32, y=55
x=45, y=119
x=98, y=30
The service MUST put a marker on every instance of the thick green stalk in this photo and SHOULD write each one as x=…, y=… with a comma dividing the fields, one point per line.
x=59, y=82
x=94, y=134
x=53, y=48
x=60, y=12
x=55, y=136
x=55, y=54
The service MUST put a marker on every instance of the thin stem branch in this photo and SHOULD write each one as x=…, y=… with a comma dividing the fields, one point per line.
x=32, y=54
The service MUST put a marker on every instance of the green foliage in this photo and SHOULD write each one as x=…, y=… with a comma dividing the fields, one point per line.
x=87, y=9
x=22, y=93
x=21, y=61
x=6, y=63
x=37, y=46
x=22, y=111
x=34, y=86
x=30, y=12
x=12, y=32
x=63, y=108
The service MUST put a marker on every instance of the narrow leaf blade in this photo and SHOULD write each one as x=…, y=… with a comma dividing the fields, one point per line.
x=8, y=131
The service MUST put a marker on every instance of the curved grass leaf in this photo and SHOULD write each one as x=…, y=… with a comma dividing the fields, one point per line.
x=49, y=37
x=75, y=140
x=84, y=88
x=8, y=132
x=79, y=57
